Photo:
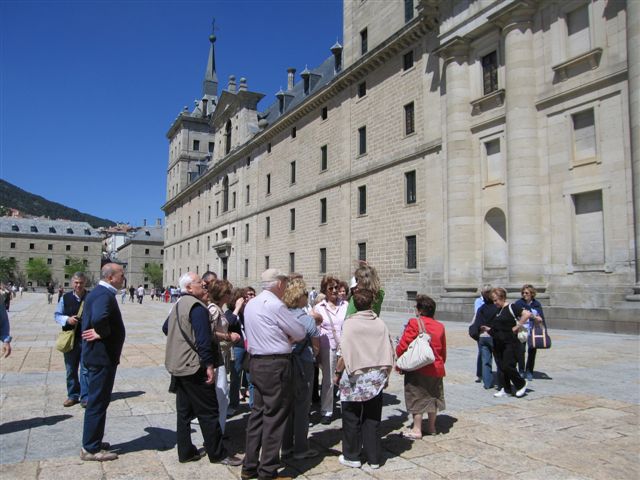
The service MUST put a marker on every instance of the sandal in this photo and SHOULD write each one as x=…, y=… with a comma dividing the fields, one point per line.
x=411, y=435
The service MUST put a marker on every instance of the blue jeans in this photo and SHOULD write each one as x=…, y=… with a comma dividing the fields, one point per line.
x=485, y=349
x=76, y=384
x=236, y=376
x=101, y=380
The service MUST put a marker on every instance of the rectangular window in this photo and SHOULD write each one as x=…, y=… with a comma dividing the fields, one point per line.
x=32, y=246
x=323, y=260
x=493, y=161
x=292, y=172
x=208, y=242
x=412, y=295
x=246, y=267
x=246, y=233
x=362, y=89
x=578, y=31
x=247, y=194
x=362, y=251
x=266, y=262
x=269, y=147
x=588, y=229
x=198, y=246
x=584, y=135
x=146, y=251
x=362, y=140
x=292, y=262
x=364, y=42
x=324, y=113
x=410, y=186
x=211, y=145
x=412, y=262
x=196, y=145
x=268, y=183
x=408, y=10
x=407, y=60
x=49, y=247
x=209, y=214
x=362, y=200
x=267, y=227
x=324, y=159
x=67, y=261
x=49, y=261
x=323, y=210
x=292, y=219
x=68, y=248
x=13, y=245
x=409, y=119
x=217, y=208
x=490, y=72
x=233, y=200
x=294, y=132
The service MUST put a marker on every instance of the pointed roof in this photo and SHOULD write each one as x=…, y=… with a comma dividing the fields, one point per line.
x=210, y=84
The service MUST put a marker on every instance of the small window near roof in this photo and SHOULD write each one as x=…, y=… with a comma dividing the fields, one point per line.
x=34, y=228
x=52, y=230
x=87, y=231
x=15, y=228
x=147, y=233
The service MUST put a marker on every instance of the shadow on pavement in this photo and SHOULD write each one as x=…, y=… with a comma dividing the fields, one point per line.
x=123, y=395
x=19, y=425
x=156, y=439
x=444, y=423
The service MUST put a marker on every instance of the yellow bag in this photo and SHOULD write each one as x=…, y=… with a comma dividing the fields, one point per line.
x=64, y=343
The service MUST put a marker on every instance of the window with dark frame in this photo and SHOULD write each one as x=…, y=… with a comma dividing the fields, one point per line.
x=407, y=60
x=266, y=262
x=362, y=200
x=246, y=267
x=323, y=210
x=490, y=72
x=412, y=261
x=225, y=196
x=196, y=145
x=292, y=171
x=323, y=158
x=364, y=41
x=362, y=140
x=410, y=186
x=292, y=262
x=293, y=132
x=211, y=146
x=323, y=260
x=49, y=247
x=409, y=119
x=13, y=245
x=268, y=227
x=246, y=233
x=362, y=89
x=269, y=147
x=248, y=194
x=362, y=251
x=408, y=10
x=227, y=137
x=268, y=183
x=292, y=219
x=324, y=113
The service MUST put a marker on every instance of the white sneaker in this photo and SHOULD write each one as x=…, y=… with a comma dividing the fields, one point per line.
x=374, y=466
x=349, y=463
x=520, y=393
x=500, y=393
x=194, y=421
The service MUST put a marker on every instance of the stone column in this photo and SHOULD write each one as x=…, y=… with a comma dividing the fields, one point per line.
x=524, y=202
x=461, y=258
x=633, y=63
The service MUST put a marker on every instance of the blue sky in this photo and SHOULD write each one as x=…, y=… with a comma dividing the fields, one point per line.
x=88, y=89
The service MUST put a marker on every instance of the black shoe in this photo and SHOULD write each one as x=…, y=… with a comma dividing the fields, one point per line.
x=231, y=461
x=196, y=456
x=246, y=475
x=325, y=420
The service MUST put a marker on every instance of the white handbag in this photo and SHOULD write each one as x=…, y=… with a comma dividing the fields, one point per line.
x=419, y=353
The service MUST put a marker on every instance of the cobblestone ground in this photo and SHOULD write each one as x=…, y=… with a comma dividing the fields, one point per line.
x=579, y=419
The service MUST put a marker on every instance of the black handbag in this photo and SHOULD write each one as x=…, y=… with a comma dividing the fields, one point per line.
x=539, y=337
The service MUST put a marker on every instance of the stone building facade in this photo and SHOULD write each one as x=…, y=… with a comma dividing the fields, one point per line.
x=142, y=247
x=450, y=144
x=55, y=241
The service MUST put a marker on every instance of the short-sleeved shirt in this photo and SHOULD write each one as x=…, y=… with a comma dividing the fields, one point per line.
x=304, y=348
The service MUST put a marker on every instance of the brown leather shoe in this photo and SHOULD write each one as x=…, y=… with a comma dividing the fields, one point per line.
x=101, y=456
x=70, y=402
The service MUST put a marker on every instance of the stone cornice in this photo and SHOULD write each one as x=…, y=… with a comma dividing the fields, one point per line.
x=52, y=237
x=184, y=117
x=514, y=15
x=455, y=49
x=395, y=44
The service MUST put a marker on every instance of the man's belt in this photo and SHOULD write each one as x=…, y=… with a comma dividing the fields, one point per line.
x=273, y=357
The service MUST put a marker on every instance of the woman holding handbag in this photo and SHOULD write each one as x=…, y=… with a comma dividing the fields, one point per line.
x=504, y=327
x=529, y=302
x=424, y=388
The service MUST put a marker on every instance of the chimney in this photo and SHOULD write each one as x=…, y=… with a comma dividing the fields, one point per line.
x=144, y=222
x=204, y=107
x=232, y=84
x=291, y=74
x=243, y=85
x=337, y=56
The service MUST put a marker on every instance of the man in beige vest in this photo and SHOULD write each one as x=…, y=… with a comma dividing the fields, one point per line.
x=191, y=358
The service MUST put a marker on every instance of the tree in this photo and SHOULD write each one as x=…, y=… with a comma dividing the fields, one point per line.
x=73, y=265
x=38, y=271
x=154, y=272
x=8, y=269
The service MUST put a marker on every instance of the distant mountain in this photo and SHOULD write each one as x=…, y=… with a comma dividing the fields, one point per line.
x=37, y=206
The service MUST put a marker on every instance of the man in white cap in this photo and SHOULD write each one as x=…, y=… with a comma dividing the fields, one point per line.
x=271, y=330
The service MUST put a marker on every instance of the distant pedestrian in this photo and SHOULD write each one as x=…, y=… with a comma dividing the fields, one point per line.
x=5, y=332
x=123, y=295
x=132, y=293
x=50, y=291
x=167, y=294
x=140, y=294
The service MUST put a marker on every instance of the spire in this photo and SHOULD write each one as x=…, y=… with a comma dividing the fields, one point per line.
x=210, y=84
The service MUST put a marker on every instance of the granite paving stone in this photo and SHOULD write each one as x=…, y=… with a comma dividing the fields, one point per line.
x=579, y=419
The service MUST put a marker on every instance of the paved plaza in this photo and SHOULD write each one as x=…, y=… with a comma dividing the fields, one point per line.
x=579, y=419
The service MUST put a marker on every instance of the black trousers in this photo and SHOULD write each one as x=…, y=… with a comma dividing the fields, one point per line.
x=506, y=356
x=361, y=429
x=271, y=378
x=194, y=398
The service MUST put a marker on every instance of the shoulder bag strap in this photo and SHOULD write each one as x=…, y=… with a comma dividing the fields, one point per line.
x=333, y=328
x=184, y=335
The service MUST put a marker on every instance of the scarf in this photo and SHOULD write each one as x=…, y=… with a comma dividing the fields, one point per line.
x=366, y=342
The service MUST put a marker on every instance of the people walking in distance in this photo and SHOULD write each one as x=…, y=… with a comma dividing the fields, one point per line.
x=68, y=315
x=5, y=332
x=424, y=388
x=132, y=293
x=103, y=333
x=50, y=291
x=140, y=293
x=123, y=295
x=192, y=357
x=271, y=330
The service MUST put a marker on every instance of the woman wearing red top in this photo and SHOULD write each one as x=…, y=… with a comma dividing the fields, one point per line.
x=423, y=388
